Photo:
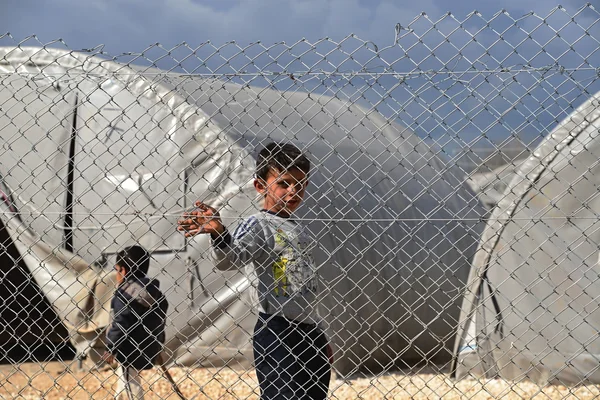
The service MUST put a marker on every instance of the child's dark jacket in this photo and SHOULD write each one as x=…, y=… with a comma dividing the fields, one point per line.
x=137, y=332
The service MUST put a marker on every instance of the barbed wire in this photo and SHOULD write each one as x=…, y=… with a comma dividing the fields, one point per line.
x=297, y=74
x=315, y=219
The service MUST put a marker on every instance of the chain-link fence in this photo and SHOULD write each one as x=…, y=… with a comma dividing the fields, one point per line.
x=446, y=244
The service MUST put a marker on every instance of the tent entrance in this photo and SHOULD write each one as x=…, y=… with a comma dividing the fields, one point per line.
x=30, y=330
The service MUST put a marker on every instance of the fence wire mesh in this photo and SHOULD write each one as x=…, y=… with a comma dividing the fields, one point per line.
x=446, y=244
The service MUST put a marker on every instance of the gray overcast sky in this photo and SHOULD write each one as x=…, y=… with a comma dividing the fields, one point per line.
x=131, y=25
x=544, y=97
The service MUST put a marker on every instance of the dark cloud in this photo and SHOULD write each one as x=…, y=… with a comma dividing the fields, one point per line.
x=134, y=24
x=485, y=101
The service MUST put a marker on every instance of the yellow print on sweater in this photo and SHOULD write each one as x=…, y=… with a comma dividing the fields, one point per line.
x=281, y=281
x=280, y=237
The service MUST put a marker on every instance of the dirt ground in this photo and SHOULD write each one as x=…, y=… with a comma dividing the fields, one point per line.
x=64, y=381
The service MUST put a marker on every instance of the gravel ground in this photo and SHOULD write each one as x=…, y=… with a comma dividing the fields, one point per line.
x=59, y=381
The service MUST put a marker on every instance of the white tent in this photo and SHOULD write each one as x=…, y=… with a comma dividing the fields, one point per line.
x=533, y=310
x=98, y=156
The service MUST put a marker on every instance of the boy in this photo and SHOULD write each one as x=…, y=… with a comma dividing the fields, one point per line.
x=137, y=331
x=291, y=352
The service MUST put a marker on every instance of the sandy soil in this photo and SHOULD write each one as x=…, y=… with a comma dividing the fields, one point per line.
x=63, y=381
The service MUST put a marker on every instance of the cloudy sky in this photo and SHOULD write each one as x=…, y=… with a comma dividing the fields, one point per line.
x=497, y=104
x=131, y=25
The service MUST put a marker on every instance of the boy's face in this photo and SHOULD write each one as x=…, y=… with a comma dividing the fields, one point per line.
x=283, y=191
x=121, y=272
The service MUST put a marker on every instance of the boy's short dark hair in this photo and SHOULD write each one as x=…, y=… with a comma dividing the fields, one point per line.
x=281, y=157
x=135, y=259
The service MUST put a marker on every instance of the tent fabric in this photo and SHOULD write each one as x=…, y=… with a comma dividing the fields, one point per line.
x=23, y=306
x=78, y=292
x=538, y=261
x=396, y=227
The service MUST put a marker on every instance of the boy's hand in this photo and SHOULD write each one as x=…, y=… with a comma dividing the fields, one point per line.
x=203, y=220
x=329, y=351
x=108, y=358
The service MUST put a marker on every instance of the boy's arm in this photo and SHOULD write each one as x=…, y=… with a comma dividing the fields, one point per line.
x=163, y=307
x=123, y=321
x=235, y=251
x=231, y=252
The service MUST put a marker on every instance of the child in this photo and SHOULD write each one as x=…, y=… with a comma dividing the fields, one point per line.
x=291, y=353
x=137, y=331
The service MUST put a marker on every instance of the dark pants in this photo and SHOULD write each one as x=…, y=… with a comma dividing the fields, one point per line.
x=290, y=359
